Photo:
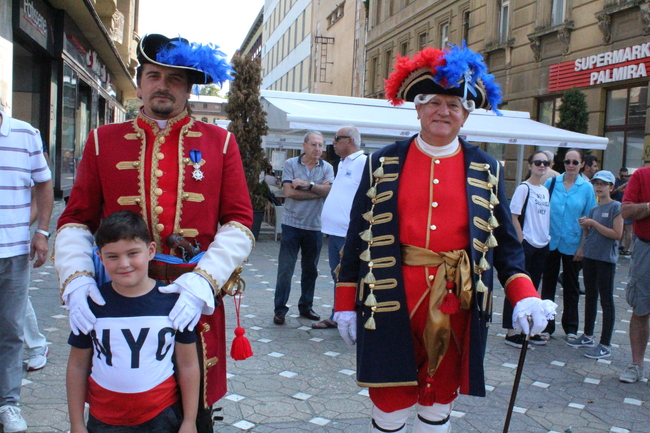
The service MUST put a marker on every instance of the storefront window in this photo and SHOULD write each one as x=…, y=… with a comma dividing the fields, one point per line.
x=68, y=117
x=625, y=120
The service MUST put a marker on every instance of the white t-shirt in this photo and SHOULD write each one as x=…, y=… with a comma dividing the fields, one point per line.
x=537, y=220
x=335, y=217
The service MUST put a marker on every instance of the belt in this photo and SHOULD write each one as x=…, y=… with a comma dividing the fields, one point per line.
x=453, y=266
x=168, y=272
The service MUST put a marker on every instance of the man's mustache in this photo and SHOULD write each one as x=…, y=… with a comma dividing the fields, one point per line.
x=163, y=95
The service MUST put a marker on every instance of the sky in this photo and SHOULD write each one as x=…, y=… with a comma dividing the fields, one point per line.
x=224, y=23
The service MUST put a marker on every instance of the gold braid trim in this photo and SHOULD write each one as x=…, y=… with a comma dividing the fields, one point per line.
x=383, y=196
x=209, y=278
x=382, y=241
x=515, y=276
x=127, y=165
x=386, y=307
x=204, y=350
x=194, y=134
x=382, y=262
x=386, y=384
x=140, y=133
x=389, y=283
x=482, y=202
x=72, y=277
x=479, y=183
x=390, y=177
x=382, y=218
x=479, y=246
x=482, y=224
x=479, y=166
x=243, y=228
x=193, y=196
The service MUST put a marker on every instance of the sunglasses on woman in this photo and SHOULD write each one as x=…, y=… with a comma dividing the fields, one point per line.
x=539, y=162
x=571, y=161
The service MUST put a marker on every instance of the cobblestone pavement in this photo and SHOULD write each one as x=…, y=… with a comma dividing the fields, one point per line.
x=303, y=380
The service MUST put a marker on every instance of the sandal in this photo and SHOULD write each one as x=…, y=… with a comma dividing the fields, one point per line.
x=324, y=324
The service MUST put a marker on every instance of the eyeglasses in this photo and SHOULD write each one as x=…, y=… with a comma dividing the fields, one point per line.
x=571, y=161
x=539, y=162
x=338, y=137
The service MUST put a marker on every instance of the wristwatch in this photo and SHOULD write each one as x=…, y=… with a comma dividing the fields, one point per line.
x=311, y=185
x=43, y=232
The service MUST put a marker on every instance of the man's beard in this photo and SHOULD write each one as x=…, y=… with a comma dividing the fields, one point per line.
x=160, y=108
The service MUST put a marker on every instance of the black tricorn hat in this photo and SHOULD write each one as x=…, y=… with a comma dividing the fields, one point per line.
x=204, y=64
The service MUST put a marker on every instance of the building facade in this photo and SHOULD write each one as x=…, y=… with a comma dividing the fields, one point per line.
x=208, y=109
x=66, y=67
x=287, y=45
x=536, y=49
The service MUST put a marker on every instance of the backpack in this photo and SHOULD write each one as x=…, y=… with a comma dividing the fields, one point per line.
x=522, y=216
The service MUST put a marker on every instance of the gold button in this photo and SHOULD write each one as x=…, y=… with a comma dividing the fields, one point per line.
x=371, y=264
x=432, y=227
x=434, y=204
x=138, y=201
x=160, y=227
x=436, y=181
x=432, y=277
x=181, y=232
x=158, y=191
x=486, y=166
x=136, y=164
x=186, y=196
x=186, y=161
x=158, y=210
x=138, y=135
x=161, y=140
x=159, y=173
x=382, y=159
x=436, y=161
x=160, y=155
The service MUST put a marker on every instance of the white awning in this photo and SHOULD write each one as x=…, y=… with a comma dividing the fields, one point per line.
x=291, y=115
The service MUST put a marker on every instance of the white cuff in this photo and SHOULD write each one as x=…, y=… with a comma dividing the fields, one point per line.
x=199, y=287
x=76, y=283
x=527, y=306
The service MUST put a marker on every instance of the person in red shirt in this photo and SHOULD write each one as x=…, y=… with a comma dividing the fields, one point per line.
x=636, y=207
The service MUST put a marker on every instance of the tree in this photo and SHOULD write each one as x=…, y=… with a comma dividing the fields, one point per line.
x=132, y=107
x=210, y=90
x=248, y=123
x=573, y=117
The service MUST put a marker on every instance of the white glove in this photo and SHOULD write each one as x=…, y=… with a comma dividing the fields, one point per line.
x=76, y=300
x=541, y=311
x=347, y=325
x=195, y=298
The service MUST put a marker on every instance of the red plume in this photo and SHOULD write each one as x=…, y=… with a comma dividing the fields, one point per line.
x=429, y=58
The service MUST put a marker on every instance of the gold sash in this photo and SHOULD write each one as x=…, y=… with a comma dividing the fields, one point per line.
x=437, y=331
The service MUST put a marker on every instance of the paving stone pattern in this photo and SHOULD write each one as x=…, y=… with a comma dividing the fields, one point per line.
x=303, y=380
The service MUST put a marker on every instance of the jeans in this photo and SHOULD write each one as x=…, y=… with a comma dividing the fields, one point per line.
x=599, y=280
x=334, y=246
x=535, y=260
x=309, y=243
x=35, y=342
x=14, y=280
x=571, y=294
x=167, y=421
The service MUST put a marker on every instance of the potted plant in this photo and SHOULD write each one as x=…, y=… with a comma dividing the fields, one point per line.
x=248, y=124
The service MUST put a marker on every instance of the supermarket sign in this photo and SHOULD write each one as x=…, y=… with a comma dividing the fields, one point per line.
x=617, y=65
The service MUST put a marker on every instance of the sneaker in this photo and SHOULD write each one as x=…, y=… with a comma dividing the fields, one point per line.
x=631, y=374
x=516, y=340
x=11, y=419
x=582, y=341
x=537, y=340
x=36, y=362
x=598, y=352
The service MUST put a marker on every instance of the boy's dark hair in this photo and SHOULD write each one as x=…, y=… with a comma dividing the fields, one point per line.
x=122, y=225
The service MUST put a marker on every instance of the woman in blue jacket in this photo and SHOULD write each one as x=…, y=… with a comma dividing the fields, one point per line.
x=572, y=197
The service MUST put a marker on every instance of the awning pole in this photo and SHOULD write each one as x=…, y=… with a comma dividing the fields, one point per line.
x=520, y=163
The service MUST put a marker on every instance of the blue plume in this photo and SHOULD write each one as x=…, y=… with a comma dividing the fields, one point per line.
x=460, y=61
x=206, y=58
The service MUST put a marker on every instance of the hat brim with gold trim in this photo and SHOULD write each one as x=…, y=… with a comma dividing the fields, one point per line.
x=457, y=71
x=204, y=63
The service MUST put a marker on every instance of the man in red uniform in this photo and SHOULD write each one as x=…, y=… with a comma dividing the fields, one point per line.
x=428, y=223
x=185, y=178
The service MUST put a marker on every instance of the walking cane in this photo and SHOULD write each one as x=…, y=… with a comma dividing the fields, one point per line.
x=520, y=368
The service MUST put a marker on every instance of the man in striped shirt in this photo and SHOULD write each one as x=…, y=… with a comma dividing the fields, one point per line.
x=22, y=163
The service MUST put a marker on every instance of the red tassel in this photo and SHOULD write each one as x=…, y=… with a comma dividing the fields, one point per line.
x=450, y=303
x=428, y=395
x=241, y=347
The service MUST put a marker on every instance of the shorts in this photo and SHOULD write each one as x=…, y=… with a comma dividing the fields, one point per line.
x=167, y=421
x=637, y=292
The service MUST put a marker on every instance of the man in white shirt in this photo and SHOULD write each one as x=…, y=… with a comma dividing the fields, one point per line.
x=23, y=164
x=335, y=217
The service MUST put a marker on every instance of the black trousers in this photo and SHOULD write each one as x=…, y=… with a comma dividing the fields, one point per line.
x=535, y=261
x=571, y=287
x=599, y=281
